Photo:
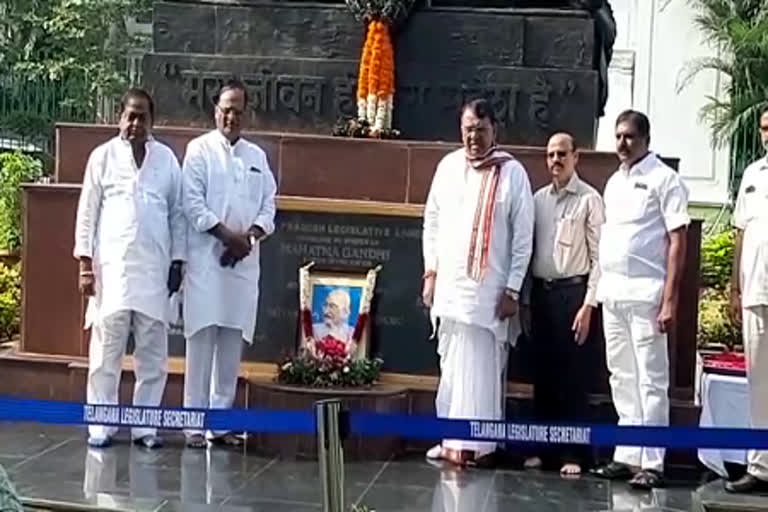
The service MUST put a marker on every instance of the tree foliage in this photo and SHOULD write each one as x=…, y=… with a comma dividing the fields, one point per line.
x=74, y=41
x=739, y=31
x=15, y=169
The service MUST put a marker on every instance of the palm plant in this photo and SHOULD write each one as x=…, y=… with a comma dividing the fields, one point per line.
x=739, y=30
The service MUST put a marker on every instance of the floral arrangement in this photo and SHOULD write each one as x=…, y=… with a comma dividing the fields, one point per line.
x=376, y=76
x=328, y=368
x=376, y=80
x=328, y=361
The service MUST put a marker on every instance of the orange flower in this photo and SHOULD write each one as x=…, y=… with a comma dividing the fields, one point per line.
x=365, y=64
x=374, y=73
x=387, y=72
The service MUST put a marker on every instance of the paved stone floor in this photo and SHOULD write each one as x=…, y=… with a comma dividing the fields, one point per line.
x=54, y=463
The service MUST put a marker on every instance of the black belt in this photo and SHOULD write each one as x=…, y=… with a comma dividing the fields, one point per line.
x=551, y=284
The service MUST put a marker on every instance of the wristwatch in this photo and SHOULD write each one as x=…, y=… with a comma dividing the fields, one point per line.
x=512, y=294
x=252, y=239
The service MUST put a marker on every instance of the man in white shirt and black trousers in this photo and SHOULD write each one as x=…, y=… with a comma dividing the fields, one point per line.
x=641, y=256
x=130, y=238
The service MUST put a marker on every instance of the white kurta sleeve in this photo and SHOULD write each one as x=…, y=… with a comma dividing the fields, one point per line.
x=89, y=205
x=521, y=225
x=176, y=218
x=266, y=217
x=431, y=225
x=194, y=185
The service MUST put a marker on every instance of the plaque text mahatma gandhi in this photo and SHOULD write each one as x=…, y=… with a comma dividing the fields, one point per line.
x=344, y=242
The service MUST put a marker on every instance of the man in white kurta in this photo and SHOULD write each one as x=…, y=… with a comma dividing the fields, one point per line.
x=478, y=231
x=641, y=255
x=229, y=201
x=749, y=303
x=130, y=238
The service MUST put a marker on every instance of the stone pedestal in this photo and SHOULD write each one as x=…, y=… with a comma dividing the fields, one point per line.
x=300, y=61
x=382, y=399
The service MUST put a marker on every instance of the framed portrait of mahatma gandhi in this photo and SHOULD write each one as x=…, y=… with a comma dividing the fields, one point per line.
x=335, y=307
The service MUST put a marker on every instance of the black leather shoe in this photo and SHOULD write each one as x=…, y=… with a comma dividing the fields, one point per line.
x=747, y=484
x=613, y=471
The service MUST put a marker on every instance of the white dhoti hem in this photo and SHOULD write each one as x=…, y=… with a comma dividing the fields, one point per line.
x=472, y=365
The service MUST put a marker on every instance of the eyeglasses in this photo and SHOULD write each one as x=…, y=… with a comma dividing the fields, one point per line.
x=230, y=110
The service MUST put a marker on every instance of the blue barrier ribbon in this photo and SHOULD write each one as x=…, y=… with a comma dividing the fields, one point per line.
x=375, y=425
x=74, y=413
x=421, y=427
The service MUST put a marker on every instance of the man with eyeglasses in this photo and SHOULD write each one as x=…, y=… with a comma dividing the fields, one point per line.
x=229, y=200
x=561, y=294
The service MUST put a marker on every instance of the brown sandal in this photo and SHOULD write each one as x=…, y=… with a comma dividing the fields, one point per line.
x=647, y=479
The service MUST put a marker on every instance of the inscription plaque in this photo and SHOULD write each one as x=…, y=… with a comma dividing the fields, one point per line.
x=309, y=95
x=400, y=326
x=300, y=61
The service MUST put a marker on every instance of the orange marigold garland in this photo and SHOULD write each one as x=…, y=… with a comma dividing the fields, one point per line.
x=374, y=72
x=376, y=76
x=365, y=66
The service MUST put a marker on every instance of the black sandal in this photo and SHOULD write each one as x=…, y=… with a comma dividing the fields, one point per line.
x=196, y=441
x=230, y=440
x=613, y=471
x=647, y=479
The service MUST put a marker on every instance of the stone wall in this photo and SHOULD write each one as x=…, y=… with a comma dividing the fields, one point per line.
x=300, y=61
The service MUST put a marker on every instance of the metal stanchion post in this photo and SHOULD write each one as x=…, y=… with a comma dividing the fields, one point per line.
x=331, y=430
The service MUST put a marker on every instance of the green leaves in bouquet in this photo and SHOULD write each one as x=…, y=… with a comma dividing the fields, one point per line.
x=310, y=371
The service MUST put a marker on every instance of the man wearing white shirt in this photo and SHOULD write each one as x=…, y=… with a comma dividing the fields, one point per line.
x=641, y=255
x=561, y=294
x=749, y=302
x=478, y=232
x=229, y=201
x=130, y=238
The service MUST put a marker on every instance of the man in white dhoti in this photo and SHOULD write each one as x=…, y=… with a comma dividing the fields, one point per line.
x=130, y=238
x=229, y=201
x=641, y=255
x=749, y=303
x=478, y=231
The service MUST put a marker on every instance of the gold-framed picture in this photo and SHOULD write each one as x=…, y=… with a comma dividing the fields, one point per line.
x=335, y=306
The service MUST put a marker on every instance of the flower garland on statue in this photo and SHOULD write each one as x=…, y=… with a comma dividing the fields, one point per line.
x=328, y=361
x=376, y=76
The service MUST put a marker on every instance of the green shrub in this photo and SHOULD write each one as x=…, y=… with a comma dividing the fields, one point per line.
x=15, y=169
x=10, y=300
x=715, y=326
x=717, y=260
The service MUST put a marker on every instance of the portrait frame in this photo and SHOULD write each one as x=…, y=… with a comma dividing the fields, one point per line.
x=351, y=292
